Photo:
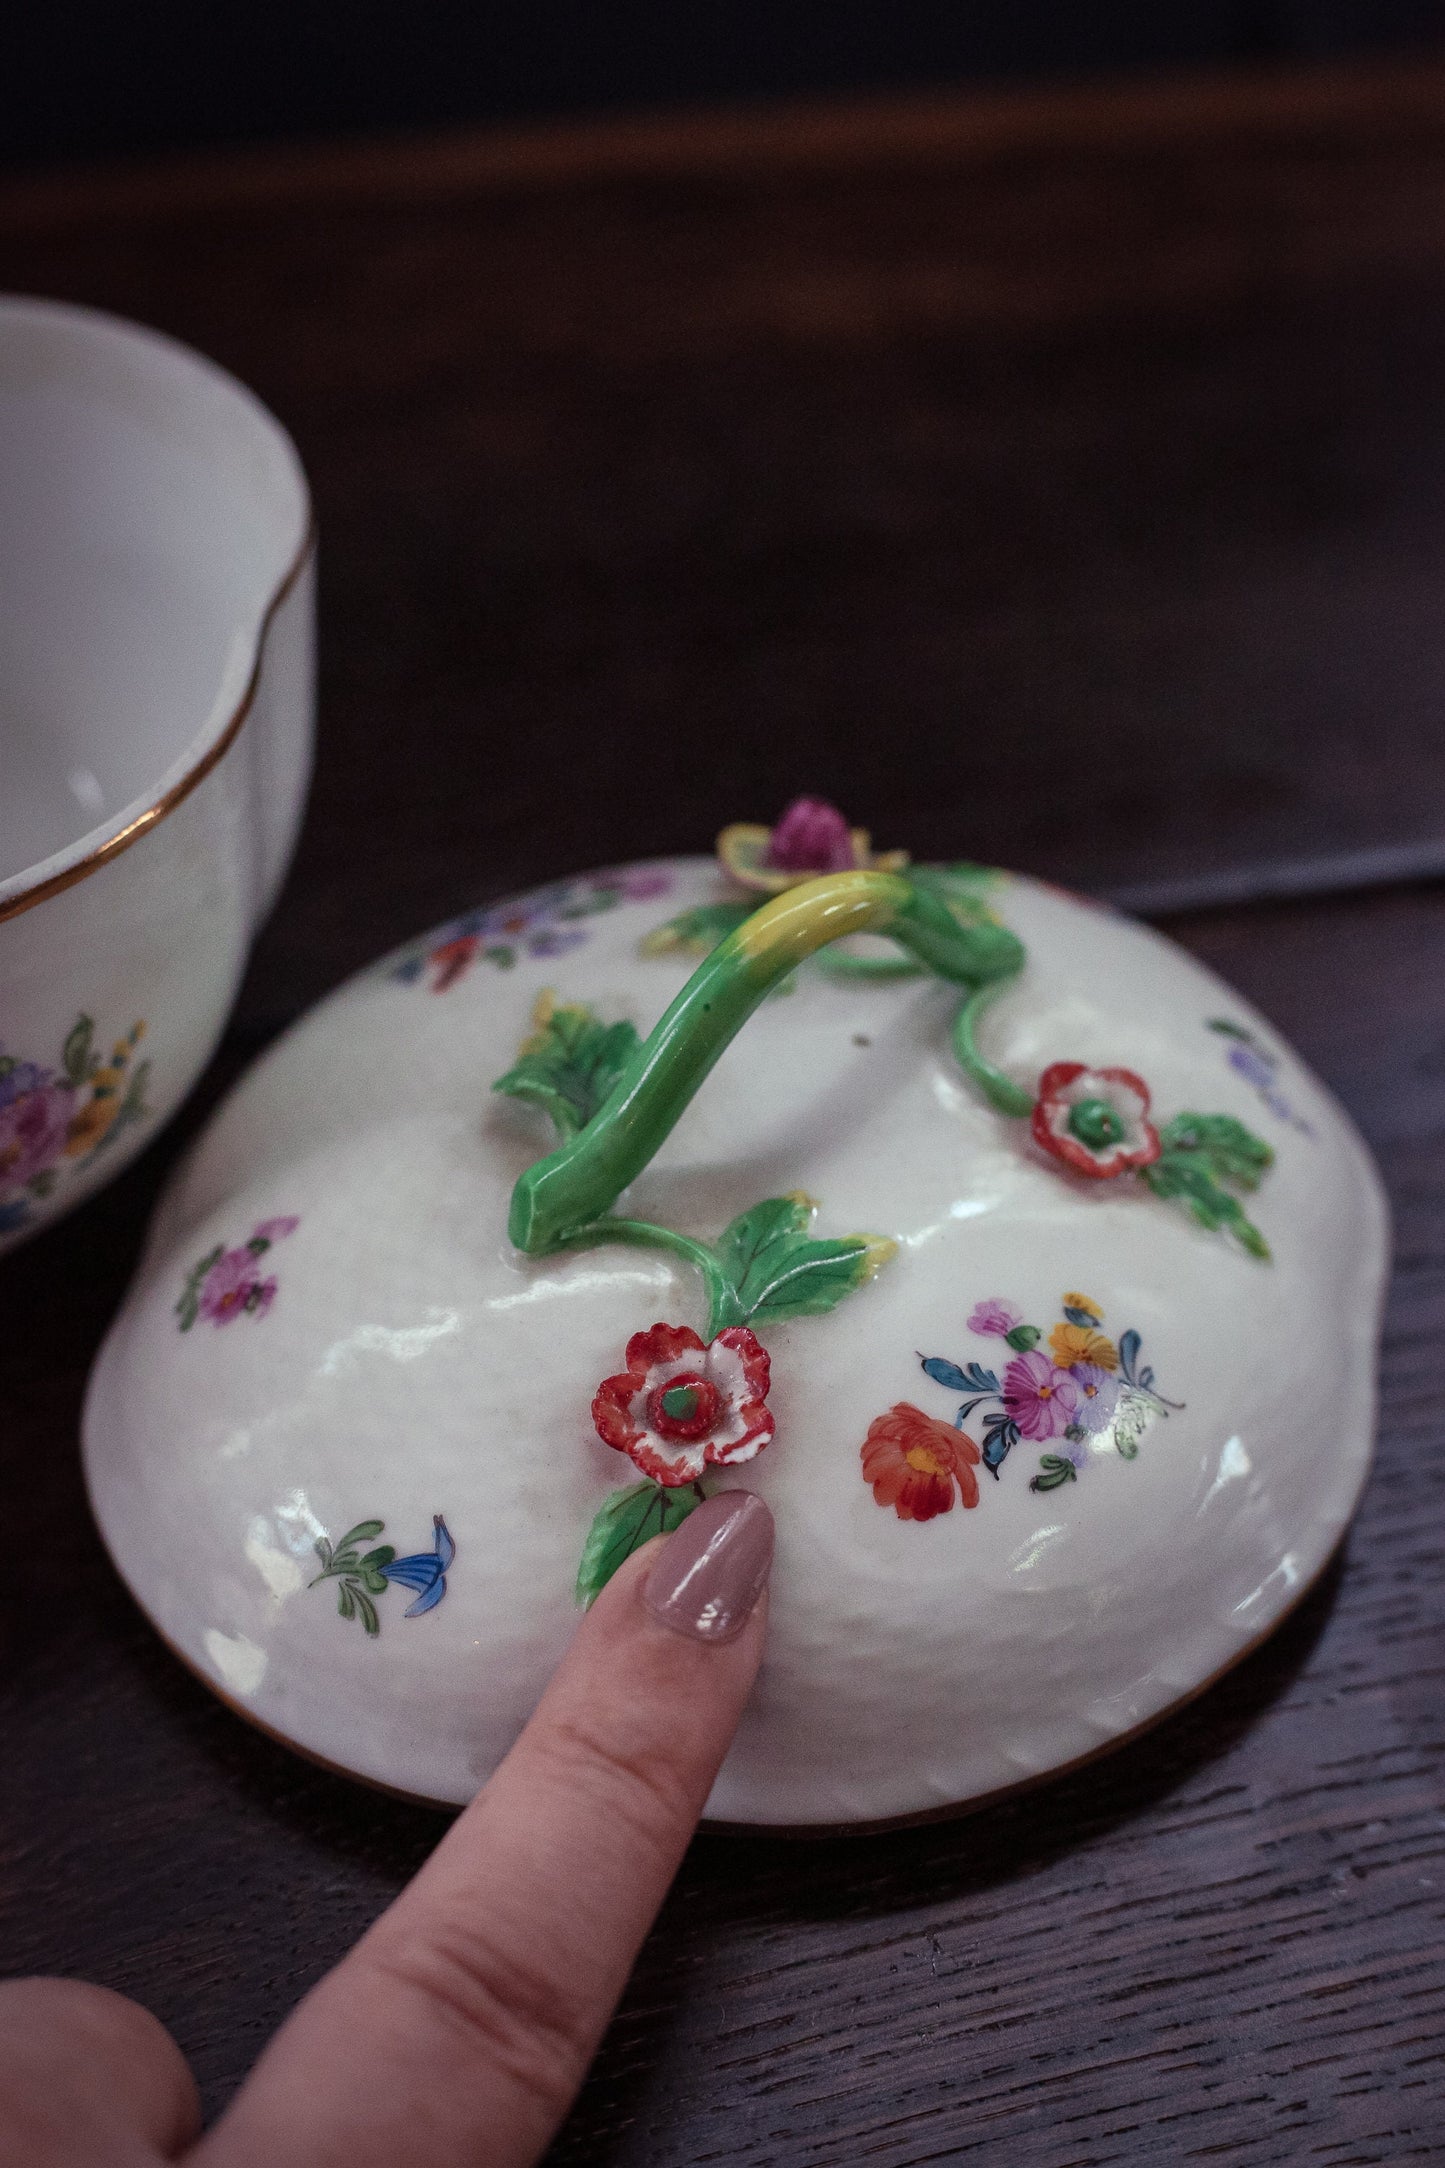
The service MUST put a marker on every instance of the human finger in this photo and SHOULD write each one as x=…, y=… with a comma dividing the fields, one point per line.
x=464, y=2021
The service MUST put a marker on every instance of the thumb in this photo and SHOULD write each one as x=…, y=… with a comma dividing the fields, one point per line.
x=466, y=2018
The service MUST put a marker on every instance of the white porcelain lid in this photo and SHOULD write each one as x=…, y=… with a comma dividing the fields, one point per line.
x=381, y=1354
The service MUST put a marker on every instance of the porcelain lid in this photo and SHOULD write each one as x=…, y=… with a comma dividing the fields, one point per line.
x=1046, y=1449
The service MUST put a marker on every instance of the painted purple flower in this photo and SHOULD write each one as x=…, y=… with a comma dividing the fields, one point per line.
x=994, y=1319
x=638, y=884
x=232, y=1285
x=22, y=1077
x=555, y=940
x=812, y=837
x=1098, y=1397
x=1042, y=1399
x=33, y=1130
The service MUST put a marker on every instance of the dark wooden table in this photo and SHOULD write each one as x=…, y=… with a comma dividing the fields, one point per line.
x=1057, y=480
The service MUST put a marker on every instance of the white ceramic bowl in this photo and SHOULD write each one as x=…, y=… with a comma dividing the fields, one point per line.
x=156, y=613
x=331, y=1328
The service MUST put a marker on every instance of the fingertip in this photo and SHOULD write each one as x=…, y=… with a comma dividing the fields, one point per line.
x=91, y=2062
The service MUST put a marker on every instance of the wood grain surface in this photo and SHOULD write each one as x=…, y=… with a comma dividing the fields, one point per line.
x=1058, y=481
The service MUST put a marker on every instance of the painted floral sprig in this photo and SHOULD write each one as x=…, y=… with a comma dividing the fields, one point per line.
x=54, y=1118
x=1084, y=1392
x=227, y=1284
x=363, y=1576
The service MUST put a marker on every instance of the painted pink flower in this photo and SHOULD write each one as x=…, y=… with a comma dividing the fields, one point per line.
x=33, y=1130
x=1042, y=1399
x=276, y=1230
x=994, y=1319
x=1095, y=1120
x=1098, y=1397
x=232, y=1285
x=681, y=1406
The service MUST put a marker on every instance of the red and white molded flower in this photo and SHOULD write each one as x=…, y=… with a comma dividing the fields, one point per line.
x=1095, y=1120
x=681, y=1406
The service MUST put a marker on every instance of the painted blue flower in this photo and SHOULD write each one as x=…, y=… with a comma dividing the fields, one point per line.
x=425, y=1571
x=22, y=1077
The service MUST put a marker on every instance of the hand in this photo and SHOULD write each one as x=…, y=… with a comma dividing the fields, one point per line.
x=462, y=2024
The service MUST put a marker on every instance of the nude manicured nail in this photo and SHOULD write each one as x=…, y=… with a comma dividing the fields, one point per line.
x=712, y=1570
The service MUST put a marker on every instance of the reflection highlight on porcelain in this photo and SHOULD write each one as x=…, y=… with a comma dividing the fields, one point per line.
x=240, y=1663
x=403, y=1343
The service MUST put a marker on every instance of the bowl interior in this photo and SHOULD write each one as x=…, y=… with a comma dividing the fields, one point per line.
x=149, y=509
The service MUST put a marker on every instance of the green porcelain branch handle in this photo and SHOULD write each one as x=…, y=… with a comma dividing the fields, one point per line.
x=576, y=1184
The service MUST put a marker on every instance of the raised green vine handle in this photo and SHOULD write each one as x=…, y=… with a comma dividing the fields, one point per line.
x=566, y=1193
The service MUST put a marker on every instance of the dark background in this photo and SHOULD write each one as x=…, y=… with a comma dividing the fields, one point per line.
x=85, y=77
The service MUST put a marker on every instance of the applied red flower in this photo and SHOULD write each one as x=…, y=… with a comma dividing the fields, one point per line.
x=681, y=1406
x=1095, y=1120
x=913, y=1461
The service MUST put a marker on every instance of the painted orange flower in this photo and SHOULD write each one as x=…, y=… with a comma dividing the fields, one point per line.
x=1081, y=1344
x=913, y=1461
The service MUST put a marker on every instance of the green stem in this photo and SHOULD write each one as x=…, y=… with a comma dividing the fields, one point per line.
x=723, y=1308
x=579, y=1181
x=1000, y=1090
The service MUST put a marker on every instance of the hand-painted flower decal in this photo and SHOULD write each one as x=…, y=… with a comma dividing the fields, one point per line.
x=913, y=1462
x=812, y=837
x=1251, y=1059
x=227, y=1284
x=546, y=922
x=1039, y=1398
x=1095, y=1120
x=682, y=1405
x=1085, y=1396
x=363, y=1576
x=54, y=1118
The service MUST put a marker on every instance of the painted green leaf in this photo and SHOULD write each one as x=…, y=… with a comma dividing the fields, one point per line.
x=1023, y=1337
x=777, y=1270
x=1054, y=1469
x=570, y=1063
x=627, y=1520
x=361, y=1533
x=366, y=1610
x=77, y=1049
x=696, y=932
x=188, y=1309
x=1229, y=1151
x=1185, y=1177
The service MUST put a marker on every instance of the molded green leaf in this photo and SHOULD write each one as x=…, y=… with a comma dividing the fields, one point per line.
x=778, y=1271
x=570, y=1063
x=628, y=1519
x=1229, y=1151
x=1185, y=1176
x=697, y=932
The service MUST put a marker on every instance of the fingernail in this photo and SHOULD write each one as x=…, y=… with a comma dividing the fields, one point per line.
x=711, y=1571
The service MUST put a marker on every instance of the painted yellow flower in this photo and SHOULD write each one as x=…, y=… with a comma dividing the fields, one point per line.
x=1081, y=1344
x=1084, y=1302
x=93, y=1120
